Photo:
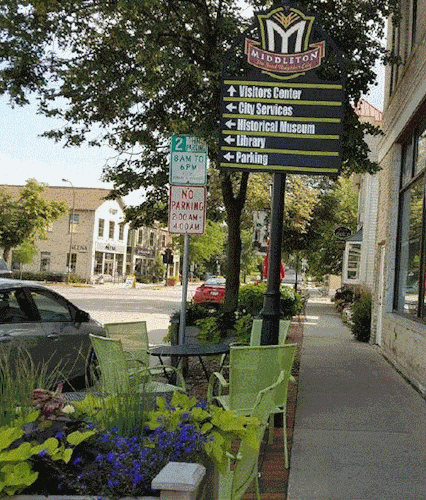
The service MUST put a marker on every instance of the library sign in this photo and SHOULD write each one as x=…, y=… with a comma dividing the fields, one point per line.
x=277, y=114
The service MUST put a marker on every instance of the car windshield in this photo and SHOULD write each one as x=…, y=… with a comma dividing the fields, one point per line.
x=215, y=282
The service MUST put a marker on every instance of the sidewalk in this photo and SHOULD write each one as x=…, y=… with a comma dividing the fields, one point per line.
x=360, y=429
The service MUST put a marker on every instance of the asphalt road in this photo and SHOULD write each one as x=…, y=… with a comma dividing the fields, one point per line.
x=113, y=303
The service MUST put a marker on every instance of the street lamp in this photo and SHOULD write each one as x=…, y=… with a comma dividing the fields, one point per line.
x=71, y=224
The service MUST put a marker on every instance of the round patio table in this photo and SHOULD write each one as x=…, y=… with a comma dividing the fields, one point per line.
x=186, y=351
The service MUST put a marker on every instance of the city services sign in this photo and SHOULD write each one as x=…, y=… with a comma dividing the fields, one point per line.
x=187, y=209
x=278, y=112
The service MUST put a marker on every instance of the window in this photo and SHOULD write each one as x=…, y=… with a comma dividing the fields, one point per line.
x=44, y=261
x=14, y=307
x=74, y=222
x=101, y=227
x=111, y=230
x=49, y=308
x=352, y=261
x=151, y=239
x=410, y=265
x=140, y=237
x=73, y=262
x=98, y=263
x=121, y=231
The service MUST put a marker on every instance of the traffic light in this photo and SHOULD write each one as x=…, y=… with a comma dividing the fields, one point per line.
x=168, y=256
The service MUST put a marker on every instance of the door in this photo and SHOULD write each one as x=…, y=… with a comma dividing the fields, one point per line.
x=65, y=341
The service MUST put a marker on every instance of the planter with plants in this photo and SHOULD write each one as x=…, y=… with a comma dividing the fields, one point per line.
x=111, y=447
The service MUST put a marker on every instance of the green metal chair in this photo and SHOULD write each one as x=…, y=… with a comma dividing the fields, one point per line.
x=133, y=336
x=117, y=374
x=251, y=369
x=234, y=483
x=256, y=331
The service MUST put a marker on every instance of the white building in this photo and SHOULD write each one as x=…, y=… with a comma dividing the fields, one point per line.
x=358, y=261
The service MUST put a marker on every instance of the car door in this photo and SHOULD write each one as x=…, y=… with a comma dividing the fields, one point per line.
x=66, y=341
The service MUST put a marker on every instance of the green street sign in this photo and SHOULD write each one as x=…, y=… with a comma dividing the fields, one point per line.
x=188, y=161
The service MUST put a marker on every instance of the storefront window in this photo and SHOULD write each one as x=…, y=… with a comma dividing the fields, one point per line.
x=410, y=263
x=98, y=263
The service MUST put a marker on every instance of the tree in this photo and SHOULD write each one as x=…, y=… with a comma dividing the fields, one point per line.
x=24, y=254
x=207, y=246
x=27, y=218
x=136, y=72
x=337, y=206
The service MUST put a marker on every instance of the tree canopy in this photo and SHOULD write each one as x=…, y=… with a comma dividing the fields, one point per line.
x=26, y=218
x=131, y=73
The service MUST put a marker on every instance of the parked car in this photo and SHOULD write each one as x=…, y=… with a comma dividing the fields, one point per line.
x=43, y=324
x=212, y=291
x=5, y=272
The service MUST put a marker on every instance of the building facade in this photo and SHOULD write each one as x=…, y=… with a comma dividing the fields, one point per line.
x=93, y=240
x=399, y=307
x=358, y=260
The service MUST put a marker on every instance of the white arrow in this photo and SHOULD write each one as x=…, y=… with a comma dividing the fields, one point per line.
x=229, y=156
x=229, y=139
x=232, y=90
x=230, y=124
x=230, y=107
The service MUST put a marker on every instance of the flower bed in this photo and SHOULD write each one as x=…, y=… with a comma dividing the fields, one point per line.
x=111, y=446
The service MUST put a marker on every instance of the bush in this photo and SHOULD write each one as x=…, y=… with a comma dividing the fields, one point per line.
x=361, y=317
x=251, y=298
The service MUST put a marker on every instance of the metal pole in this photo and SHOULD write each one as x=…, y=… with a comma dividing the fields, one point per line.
x=181, y=338
x=71, y=227
x=271, y=303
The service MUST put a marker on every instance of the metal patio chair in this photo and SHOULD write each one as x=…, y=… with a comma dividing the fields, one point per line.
x=251, y=369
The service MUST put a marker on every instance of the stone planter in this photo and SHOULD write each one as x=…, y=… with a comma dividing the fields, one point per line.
x=176, y=481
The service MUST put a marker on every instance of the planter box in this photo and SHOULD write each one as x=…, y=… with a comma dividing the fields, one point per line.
x=176, y=480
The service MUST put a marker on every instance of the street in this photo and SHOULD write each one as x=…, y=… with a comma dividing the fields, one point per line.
x=110, y=303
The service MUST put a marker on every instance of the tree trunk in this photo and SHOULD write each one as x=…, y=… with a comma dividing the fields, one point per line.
x=234, y=205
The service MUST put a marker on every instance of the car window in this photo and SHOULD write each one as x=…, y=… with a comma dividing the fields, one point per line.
x=215, y=282
x=49, y=307
x=14, y=307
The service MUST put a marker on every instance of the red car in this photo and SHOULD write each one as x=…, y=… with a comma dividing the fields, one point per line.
x=212, y=291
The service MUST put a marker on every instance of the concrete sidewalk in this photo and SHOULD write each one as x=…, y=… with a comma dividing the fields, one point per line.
x=360, y=428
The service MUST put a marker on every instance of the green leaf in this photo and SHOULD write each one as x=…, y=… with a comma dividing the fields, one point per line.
x=77, y=437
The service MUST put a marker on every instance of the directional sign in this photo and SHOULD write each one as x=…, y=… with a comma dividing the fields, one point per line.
x=188, y=160
x=281, y=126
x=278, y=113
x=187, y=209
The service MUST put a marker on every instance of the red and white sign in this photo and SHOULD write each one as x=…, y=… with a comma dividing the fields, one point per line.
x=187, y=209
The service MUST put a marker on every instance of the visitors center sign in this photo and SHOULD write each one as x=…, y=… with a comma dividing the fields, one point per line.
x=282, y=98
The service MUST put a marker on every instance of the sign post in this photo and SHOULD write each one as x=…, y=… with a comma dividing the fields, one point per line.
x=281, y=112
x=187, y=201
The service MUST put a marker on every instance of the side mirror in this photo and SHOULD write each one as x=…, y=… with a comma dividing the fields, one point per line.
x=82, y=316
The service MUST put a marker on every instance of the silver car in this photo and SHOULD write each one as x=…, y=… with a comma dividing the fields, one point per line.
x=48, y=327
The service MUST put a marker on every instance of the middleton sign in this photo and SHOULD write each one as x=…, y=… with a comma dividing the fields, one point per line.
x=278, y=113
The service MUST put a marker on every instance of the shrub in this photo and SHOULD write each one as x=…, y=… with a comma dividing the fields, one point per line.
x=361, y=317
x=251, y=298
x=243, y=328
